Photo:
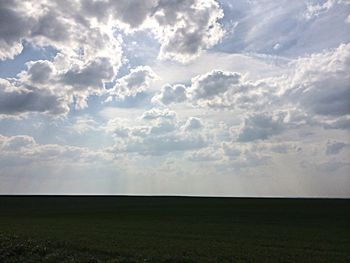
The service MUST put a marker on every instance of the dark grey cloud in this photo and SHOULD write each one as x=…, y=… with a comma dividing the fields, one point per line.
x=16, y=100
x=14, y=26
x=94, y=74
x=40, y=71
x=52, y=26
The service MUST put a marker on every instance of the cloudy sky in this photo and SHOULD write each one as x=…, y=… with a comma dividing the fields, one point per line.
x=175, y=97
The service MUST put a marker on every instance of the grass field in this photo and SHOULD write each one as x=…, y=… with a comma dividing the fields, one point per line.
x=173, y=229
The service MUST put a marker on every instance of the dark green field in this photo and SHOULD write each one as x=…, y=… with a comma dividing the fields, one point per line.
x=173, y=229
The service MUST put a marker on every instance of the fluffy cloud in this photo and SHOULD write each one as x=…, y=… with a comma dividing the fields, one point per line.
x=136, y=82
x=93, y=74
x=157, y=113
x=187, y=27
x=56, y=24
x=183, y=28
x=17, y=100
x=88, y=52
x=321, y=82
x=171, y=94
x=132, y=13
x=14, y=24
x=259, y=127
x=88, y=55
x=315, y=92
x=214, y=83
x=160, y=132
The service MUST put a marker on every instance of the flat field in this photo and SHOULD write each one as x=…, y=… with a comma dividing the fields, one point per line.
x=173, y=229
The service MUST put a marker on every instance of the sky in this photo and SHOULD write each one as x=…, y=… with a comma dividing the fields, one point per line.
x=175, y=97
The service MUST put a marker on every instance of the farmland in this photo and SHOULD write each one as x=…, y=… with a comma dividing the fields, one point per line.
x=173, y=229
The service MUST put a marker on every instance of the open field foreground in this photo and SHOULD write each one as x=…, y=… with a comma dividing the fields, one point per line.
x=173, y=229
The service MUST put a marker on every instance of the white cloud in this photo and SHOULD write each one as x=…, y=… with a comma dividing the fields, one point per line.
x=136, y=82
x=321, y=82
x=156, y=113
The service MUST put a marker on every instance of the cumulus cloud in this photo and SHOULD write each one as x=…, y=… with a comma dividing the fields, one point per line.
x=88, y=52
x=321, y=82
x=93, y=74
x=187, y=27
x=14, y=25
x=171, y=94
x=224, y=89
x=17, y=100
x=159, y=133
x=132, y=13
x=56, y=24
x=259, y=127
x=40, y=71
x=213, y=83
x=184, y=28
x=136, y=82
x=156, y=113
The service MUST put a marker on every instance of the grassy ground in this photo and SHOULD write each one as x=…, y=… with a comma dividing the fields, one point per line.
x=173, y=229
